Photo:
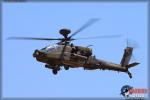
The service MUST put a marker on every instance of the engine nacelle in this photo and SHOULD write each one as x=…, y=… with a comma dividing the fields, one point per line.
x=84, y=51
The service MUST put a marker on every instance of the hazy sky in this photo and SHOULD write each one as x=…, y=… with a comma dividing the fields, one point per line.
x=23, y=76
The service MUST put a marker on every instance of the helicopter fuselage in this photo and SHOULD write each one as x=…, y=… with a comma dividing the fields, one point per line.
x=74, y=56
x=78, y=56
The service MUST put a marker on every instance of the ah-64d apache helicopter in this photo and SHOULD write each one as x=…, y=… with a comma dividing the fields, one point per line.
x=65, y=54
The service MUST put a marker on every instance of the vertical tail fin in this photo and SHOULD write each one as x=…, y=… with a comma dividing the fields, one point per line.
x=126, y=56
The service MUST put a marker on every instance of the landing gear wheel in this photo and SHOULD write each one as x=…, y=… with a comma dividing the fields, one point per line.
x=130, y=75
x=66, y=67
x=54, y=71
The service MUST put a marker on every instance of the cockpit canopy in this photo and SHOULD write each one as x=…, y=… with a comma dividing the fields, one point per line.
x=52, y=48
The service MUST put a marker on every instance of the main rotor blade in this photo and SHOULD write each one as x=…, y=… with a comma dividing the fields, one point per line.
x=32, y=38
x=105, y=36
x=87, y=24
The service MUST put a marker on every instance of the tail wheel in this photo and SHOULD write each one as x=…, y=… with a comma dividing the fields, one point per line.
x=54, y=71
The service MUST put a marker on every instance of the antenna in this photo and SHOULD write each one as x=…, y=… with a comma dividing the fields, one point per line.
x=127, y=41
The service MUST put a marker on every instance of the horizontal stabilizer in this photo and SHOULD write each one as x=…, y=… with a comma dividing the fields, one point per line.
x=132, y=64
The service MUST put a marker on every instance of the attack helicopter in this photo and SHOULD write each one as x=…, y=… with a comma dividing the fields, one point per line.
x=66, y=54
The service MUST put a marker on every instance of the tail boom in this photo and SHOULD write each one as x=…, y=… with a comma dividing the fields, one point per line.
x=124, y=64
